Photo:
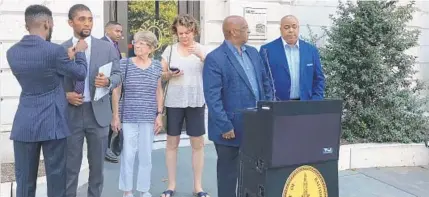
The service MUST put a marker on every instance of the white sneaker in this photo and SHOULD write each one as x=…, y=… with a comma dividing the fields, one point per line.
x=146, y=194
x=129, y=195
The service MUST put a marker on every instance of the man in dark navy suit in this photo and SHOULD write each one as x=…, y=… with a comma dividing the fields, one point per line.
x=113, y=34
x=40, y=122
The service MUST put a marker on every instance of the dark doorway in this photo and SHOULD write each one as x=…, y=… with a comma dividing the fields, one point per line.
x=155, y=16
x=147, y=14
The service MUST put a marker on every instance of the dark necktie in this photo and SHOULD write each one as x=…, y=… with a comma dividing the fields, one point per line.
x=117, y=48
x=79, y=86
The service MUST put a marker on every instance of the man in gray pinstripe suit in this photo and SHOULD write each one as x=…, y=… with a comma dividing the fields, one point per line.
x=88, y=118
x=40, y=122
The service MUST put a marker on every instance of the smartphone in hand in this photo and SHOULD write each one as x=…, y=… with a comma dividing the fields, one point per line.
x=174, y=69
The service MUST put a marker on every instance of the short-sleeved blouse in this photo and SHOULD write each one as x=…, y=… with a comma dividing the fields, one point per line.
x=139, y=102
x=185, y=90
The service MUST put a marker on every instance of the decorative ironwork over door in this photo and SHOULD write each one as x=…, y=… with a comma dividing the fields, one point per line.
x=155, y=16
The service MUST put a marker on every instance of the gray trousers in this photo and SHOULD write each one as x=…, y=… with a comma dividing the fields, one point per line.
x=83, y=125
x=27, y=156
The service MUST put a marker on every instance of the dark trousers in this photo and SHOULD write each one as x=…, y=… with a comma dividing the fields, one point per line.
x=109, y=138
x=227, y=170
x=27, y=156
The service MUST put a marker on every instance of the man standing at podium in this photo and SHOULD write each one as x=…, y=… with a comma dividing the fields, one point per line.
x=234, y=79
x=293, y=64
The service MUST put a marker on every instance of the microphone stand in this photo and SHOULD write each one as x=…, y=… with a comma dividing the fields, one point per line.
x=271, y=75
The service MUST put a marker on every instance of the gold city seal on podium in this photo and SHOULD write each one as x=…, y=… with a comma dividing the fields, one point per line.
x=305, y=181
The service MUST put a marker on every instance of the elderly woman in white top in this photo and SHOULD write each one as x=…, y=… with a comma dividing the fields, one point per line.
x=140, y=107
x=184, y=99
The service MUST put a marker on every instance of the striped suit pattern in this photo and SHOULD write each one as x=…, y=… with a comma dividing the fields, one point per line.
x=40, y=120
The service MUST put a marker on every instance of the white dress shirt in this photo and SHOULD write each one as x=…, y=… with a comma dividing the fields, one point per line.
x=86, y=93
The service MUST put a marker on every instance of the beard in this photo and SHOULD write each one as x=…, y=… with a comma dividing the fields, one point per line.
x=49, y=36
x=84, y=35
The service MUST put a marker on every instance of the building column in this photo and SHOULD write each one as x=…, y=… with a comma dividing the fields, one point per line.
x=122, y=17
x=192, y=8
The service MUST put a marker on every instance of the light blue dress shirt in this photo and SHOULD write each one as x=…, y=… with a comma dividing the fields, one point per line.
x=292, y=56
x=247, y=65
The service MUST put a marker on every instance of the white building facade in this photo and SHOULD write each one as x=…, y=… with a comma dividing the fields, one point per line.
x=13, y=28
x=314, y=13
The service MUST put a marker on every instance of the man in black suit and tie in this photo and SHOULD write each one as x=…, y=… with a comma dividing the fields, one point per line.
x=113, y=34
x=40, y=123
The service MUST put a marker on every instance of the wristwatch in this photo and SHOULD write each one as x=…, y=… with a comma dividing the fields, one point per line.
x=109, y=83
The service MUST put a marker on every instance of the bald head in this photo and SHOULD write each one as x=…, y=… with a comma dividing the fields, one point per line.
x=235, y=29
x=289, y=29
x=289, y=18
x=231, y=23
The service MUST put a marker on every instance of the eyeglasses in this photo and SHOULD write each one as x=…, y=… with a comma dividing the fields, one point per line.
x=139, y=43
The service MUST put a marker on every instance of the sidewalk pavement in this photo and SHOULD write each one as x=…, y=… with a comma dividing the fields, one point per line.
x=371, y=182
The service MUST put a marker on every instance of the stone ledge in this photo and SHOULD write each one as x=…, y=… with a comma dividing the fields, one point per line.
x=6, y=145
x=5, y=188
x=366, y=155
x=382, y=155
x=351, y=156
x=41, y=191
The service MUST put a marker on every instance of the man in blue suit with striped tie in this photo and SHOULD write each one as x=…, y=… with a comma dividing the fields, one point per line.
x=293, y=64
x=113, y=34
x=40, y=122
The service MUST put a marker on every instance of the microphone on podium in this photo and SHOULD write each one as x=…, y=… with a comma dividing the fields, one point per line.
x=271, y=75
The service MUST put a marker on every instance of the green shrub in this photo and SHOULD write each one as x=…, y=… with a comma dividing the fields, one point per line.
x=366, y=64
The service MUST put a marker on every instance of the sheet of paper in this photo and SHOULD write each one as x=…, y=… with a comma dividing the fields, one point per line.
x=101, y=92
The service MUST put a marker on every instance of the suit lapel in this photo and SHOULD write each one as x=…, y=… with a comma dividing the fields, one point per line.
x=302, y=53
x=281, y=53
x=233, y=60
x=93, y=67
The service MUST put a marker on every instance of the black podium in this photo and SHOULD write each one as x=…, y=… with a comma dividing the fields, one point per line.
x=290, y=149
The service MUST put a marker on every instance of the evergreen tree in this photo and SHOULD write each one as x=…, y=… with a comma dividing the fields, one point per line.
x=366, y=64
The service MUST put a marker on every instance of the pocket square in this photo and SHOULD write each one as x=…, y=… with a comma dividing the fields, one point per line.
x=309, y=64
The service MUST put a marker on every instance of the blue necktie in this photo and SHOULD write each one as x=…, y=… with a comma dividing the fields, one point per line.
x=79, y=87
